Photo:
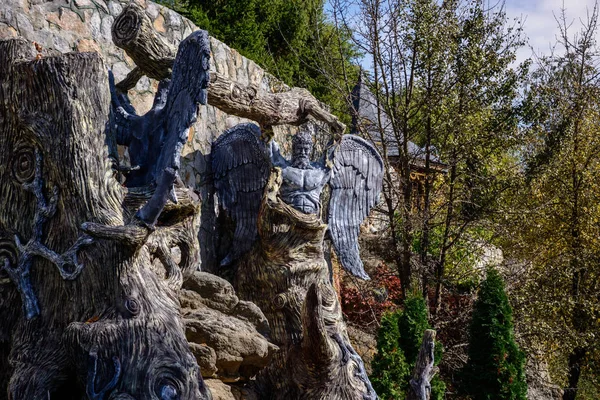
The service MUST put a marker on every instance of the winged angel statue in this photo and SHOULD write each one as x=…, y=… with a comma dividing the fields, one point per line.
x=242, y=163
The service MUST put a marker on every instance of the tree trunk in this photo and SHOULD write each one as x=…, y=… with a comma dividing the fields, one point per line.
x=286, y=275
x=420, y=384
x=576, y=359
x=84, y=310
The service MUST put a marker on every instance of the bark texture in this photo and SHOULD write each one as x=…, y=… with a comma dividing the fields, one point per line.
x=287, y=277
x=420, y=384
x=133, y=32
x=85, y=312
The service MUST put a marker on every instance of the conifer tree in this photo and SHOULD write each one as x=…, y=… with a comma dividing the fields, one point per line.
x=495, y=370
x=398, y=343
x=390, y=369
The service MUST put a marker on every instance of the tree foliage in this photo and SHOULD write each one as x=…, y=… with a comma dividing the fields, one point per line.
x=398, y=343
x=495, y=370
x=390, y=369
x=441, y=72
x=552, y=214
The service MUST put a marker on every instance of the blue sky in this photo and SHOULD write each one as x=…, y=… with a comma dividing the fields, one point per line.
x=540, y=25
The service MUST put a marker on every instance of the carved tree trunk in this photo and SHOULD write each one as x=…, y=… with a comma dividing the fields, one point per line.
x=287, y=277
x=85, y=310
x=420, y=384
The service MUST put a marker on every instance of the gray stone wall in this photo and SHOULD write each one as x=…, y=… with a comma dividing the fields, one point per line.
x=61, y=26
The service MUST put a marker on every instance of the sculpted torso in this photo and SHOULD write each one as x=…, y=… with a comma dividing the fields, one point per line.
x=302, y=187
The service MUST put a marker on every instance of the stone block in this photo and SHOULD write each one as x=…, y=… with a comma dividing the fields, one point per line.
x=114, y=8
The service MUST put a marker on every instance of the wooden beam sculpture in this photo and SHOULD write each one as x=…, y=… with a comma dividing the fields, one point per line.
x=133, y=32
x=85, y=311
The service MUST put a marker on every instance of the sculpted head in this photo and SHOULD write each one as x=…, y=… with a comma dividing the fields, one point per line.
x=302, y=147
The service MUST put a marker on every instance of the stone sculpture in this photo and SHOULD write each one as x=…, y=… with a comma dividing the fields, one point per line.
x=85, y=311
x=277, y=250
x=90, y=284
x=241, y=165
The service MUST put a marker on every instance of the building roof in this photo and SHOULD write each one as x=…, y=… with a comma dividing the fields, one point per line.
x=369, y=117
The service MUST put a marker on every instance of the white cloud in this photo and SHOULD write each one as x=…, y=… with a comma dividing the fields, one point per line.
x=540, y=25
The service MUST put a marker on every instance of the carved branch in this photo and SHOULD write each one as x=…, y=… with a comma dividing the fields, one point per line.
x=133, y=235
x=420, y=384
x=134, y=33
x=92, y=374
x=68, y=263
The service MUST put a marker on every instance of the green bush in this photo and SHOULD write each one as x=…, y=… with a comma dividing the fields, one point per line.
x=495, y=370
x=390, y=369
x=398, y=343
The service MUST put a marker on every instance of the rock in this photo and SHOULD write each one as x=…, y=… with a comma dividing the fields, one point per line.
x=60, y=44
x=207, y=359
x=105, y=29
x=234, y=330
x=159, y=24
x=101, y=6
x=172, y=19
x=251, y=313
x=95, y=24
x=144, y=85
x=69, y=21
x=25, y=27
x=7, y=31
x=152, y=10
x=240, y=350
x=219, y=390
x=86, y=45
x=83, y=3
x=215, y=292
x=114, y=8
x=120, y=71
x=364, y=344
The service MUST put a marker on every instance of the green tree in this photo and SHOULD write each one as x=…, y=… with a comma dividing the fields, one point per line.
x=390, y=369
x=398, y=343
x=552, y=215
x=495, y=370
x=442, y=78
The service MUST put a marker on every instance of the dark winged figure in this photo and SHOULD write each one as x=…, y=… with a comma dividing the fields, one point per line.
x=241, y=164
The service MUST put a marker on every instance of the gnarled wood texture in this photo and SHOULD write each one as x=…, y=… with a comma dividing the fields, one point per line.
x=424, y=371
x=83, y=310
x=287, y=277
x=133, y=32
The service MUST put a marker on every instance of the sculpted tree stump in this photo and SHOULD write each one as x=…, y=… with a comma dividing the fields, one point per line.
x=286, y=275
x=85, y=312
x=424, y=371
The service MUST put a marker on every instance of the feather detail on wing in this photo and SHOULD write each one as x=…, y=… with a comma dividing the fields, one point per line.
x=357, y=177
x=241, y=167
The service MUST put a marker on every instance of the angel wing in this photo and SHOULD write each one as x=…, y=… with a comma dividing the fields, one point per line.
x=241, y=166
x=357, y=177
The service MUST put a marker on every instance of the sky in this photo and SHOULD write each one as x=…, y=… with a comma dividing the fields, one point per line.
x=539, y=22
x=540, y=25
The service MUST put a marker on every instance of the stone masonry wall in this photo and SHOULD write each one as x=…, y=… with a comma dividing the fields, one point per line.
x=62, y=26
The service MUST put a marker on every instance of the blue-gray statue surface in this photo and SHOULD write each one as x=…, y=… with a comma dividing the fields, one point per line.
x=353, y=169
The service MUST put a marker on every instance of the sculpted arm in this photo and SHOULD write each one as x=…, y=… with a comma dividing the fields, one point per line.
x=276, y=158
